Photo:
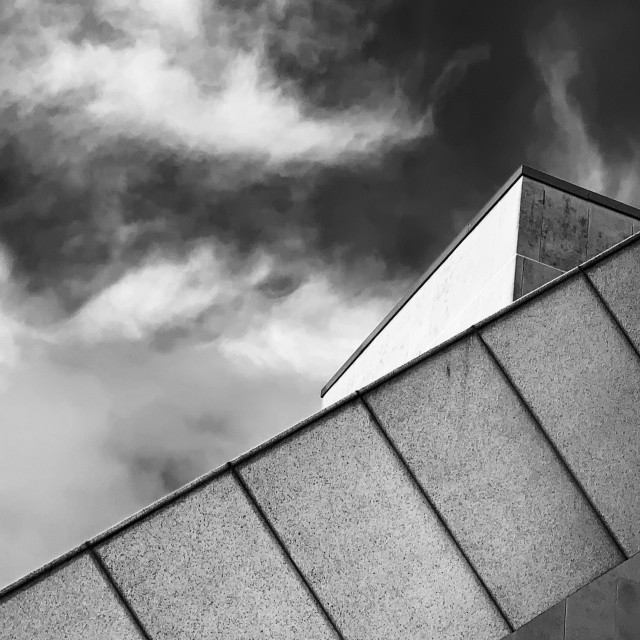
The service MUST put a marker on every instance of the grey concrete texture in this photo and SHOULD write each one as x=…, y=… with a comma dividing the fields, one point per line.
x=562, y=230
x=606, y=228
x=365, y=537
x=594, y=612
x=531, y=213
x=477, y=452
x=73, y=602
x=628, y=610
x=530, y=275
x=617, y=278
x=207, y=567
x=582, y=379
x=549, y=625
x=608, y=608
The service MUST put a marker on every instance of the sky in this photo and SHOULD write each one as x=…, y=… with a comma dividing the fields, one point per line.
x=206, y=205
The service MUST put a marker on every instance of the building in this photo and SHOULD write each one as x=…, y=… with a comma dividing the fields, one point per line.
x=485, y=486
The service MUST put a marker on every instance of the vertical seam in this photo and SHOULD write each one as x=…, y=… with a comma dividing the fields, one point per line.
x=436, y=511
x=263, y=516
x=99, y=563
x=553, y=446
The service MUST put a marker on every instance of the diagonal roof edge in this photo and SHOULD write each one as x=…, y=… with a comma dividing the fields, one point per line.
x=184, y=491
x=523, y=170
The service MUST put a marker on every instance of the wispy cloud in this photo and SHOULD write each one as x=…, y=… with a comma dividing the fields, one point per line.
x=122, y=119
x=572, y=150
x=187, y=76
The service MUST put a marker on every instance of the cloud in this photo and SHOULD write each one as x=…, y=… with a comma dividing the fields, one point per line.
x=133, y=362
x=169, y=77
x=104, y=418
x=572, y=150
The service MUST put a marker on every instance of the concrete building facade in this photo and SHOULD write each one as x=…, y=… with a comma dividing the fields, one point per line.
x=534, y=229
x=488, y=488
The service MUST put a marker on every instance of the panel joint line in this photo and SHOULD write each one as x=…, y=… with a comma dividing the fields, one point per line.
x=263, y=516
x=609, y=310
x=436, y=511
x=95, y=556
x=581, y=488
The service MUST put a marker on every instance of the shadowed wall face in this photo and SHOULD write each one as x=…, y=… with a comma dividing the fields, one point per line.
x=558, y=231
x=532, y=234
x=606, y=609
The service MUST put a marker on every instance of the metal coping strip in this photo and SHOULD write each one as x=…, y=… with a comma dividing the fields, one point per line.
x=554, y=448
x=436, y=511
x=522, y=171
x=263, y=516
x=118, y=591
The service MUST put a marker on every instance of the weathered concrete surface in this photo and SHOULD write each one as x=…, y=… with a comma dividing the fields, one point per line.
x=606, y=229
x=547, y=626
x=530, y=225
x=565, y=224
x=617, y=278
x=534, y=233
x=530, y=275
x=628, y=610
x=608, y=608
x=207, y=567
x=582, y=379
x=73, y=602
x=365, y=537
x=478, y=453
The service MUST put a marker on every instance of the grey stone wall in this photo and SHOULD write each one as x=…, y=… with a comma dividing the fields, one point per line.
x=459, y=497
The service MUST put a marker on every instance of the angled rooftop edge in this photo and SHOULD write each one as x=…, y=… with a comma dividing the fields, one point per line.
x=201, y=481
x=525, y=171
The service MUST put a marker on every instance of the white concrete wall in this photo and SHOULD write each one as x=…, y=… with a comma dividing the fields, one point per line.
x=475, y=281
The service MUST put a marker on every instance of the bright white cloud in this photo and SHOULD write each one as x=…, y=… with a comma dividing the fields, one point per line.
x=170, y=82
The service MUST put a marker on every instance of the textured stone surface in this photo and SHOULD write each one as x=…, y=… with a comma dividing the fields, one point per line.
x=564, y=230
x=207, y=567
x=531, y=213
x=583, y=381
x=530, y=275
x=73, y=602
x=606, y=228
x=617, y=278
x=478, y=453
x=547, y=626
x=365, y=537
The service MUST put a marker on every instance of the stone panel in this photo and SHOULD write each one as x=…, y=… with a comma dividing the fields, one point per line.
x=365, y=537
x=617, y=278
x=478, y=453
x=606, y=228
x=628, y=610
x=207, y=567
x=530, y=226
x=73, y=602
x=564, y=230
x=582, y=379
x=535, y=275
